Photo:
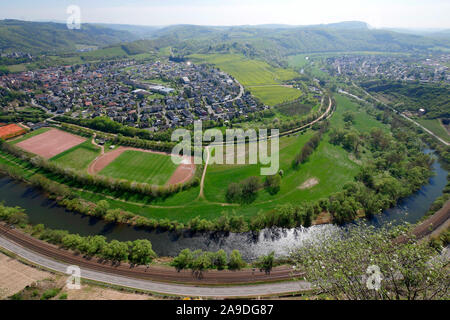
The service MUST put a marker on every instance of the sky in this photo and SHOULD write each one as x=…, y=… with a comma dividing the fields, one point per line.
x=412, y=14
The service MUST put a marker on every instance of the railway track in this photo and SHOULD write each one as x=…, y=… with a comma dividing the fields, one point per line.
x=155, y=273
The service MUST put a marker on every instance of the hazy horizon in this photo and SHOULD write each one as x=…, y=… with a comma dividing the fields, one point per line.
x=402, y=14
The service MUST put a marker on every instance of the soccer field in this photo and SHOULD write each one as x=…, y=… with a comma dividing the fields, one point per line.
x=140, y=166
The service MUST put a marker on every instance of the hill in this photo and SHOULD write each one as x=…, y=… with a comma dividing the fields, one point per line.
x=35, y=37
x=272, y=42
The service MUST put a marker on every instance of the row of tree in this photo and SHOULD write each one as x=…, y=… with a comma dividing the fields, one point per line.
x=84, y=180
x=105, y=124
x=311, y=145
x=119, y=139
x=199, y=260
x=138, y=252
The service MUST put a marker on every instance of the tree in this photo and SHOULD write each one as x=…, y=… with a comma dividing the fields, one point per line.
x=183, y=260
x=366, y=263
x=220, y=259
x=236, y=262
x=18, y=218
x=351, y=141
x=202, y=261
x=250, y=187
x=266, y=262
x=142, y=252
x=93, y=245
x=116, y=251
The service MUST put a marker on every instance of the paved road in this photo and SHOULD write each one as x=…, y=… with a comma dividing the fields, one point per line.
x=164, y=288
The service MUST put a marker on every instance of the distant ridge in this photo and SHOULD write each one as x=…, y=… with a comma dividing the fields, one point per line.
x=270, y=41
x=17, y=35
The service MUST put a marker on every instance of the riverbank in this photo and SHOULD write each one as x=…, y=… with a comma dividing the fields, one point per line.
x=55, y=259
x=251, y=244
x=155, y=273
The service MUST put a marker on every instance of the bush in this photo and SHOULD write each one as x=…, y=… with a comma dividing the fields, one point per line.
x=63, y=296
x=234, y=193
x=51, y=293
x=273, y=184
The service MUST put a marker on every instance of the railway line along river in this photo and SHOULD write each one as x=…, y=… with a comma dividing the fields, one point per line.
x=42, y=210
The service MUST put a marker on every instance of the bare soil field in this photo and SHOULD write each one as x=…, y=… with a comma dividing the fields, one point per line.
x=51, y=143
x=88, y=292
x=14, y=276
x=309, y=183
x=184, y=173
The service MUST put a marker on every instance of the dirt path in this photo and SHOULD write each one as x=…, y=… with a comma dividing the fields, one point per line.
x=102, y=148
x=201, y=195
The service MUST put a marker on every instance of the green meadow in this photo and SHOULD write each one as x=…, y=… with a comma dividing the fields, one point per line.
x=140, y=166
x=78, y=157
x=435, y=126
x=273, y=95
x=363, y=121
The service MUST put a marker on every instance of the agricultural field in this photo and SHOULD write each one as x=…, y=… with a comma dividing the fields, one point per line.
x=329, y=165
x=259, y=77
x=17, y=67
x=140, y=166
x=273, y=95
x=248, y=72
x=78, y=157
x=435, y=126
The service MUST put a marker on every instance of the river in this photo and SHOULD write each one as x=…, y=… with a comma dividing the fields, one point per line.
x=251, y=245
